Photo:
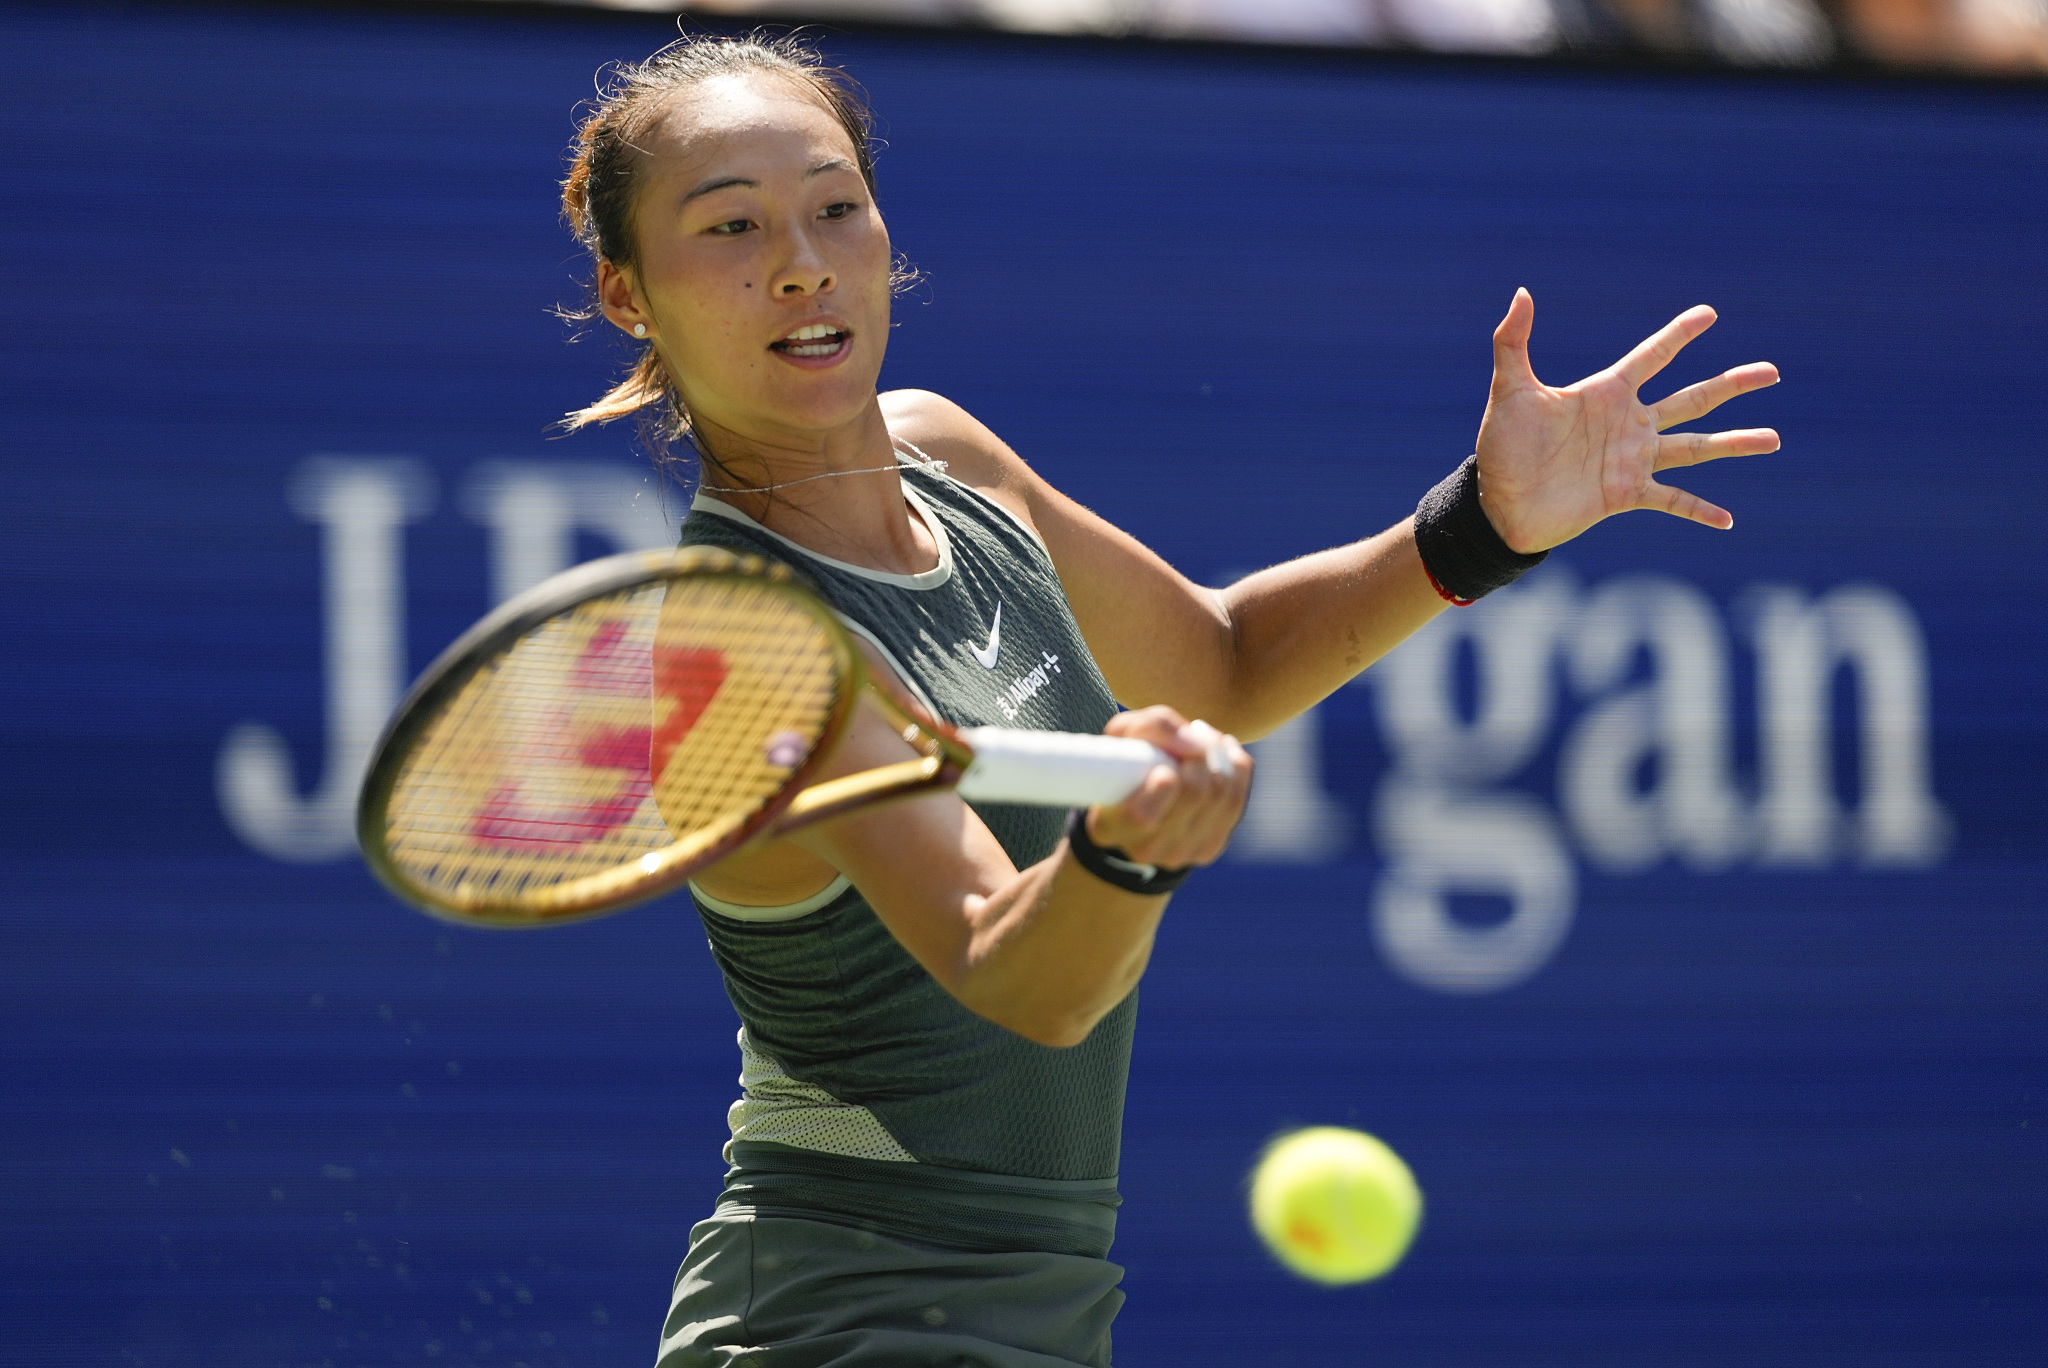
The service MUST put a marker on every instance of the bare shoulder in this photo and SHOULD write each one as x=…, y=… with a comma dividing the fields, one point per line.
x=973, y=454
x=929, y=419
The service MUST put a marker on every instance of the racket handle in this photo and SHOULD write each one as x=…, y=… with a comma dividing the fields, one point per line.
x=1055, y=769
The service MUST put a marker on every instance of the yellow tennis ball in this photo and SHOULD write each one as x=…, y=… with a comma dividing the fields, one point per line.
x=1334, y=1205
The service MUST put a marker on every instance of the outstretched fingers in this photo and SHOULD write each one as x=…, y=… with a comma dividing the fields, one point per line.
x=1691, y=448
x=1654, y=352
x=1679, y=504
x=1697, y=401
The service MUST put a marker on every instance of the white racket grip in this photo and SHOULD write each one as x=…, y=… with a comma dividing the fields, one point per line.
x=1055, y=769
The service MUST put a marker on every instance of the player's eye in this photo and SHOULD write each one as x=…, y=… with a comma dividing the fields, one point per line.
x=732, y=227
x=838, y=211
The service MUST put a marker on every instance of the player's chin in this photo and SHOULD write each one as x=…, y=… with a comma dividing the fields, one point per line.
x=828, y=392
x=809, y=404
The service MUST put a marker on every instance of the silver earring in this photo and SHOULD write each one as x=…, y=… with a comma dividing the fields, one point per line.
x=639, y=330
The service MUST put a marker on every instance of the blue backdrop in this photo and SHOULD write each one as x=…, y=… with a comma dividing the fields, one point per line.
x=1678, y=914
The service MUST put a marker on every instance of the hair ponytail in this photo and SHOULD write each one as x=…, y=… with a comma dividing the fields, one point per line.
x=647, y=384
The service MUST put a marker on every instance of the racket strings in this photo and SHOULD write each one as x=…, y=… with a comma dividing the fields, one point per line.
x=779, y=684
x=612, y=730
x=500, y=792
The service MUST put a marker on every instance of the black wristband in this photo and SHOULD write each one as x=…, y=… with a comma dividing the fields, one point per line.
x=1465, y=557
x=1115, y=868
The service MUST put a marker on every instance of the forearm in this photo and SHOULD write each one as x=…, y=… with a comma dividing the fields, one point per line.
x=1044, y=951
x=1300, y=630
x=1051, y=952
x=1250, y=657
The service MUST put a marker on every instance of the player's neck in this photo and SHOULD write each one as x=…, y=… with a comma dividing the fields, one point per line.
x=836, y=493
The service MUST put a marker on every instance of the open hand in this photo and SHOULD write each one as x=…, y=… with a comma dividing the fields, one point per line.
x=1552, y=462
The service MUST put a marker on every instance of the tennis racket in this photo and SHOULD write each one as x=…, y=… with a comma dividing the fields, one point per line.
x=600, y=738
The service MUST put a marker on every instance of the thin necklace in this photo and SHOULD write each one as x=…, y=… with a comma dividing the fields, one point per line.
x=926, y=462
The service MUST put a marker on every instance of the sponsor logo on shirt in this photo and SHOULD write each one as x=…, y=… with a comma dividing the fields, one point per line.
x=1021, y=689
x=985, y=656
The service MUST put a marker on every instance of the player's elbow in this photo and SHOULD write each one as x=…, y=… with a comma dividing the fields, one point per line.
x=1041, y=1023
x=1063, y=1020
x=1060, y=1034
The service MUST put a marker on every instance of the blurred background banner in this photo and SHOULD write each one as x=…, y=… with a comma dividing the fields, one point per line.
x=1994, y=37
x=1679, y=914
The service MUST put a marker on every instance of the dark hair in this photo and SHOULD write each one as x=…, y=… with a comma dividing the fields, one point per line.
x=604, y=167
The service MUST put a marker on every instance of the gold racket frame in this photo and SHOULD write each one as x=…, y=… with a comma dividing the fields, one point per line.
x=943, y=756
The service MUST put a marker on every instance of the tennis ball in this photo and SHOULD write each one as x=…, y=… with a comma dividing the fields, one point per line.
x=1334, y=1205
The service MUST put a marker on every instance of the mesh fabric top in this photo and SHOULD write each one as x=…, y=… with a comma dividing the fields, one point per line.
x=831, y=995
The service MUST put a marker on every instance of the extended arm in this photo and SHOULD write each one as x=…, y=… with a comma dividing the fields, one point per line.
x=1245, y=658
x=1552, y=462
x=1249, y=657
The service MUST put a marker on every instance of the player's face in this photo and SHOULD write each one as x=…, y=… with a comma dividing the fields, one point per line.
x=763, y=262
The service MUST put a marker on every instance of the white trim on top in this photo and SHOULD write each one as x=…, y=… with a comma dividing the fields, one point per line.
x=824, y=896
x=787, y=912
x=927, y=579
x=931, y=467
x=909, y=681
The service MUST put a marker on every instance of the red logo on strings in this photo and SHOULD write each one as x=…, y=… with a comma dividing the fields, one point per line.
x=688, y=677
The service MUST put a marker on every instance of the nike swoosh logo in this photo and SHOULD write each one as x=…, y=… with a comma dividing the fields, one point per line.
x=985, y=656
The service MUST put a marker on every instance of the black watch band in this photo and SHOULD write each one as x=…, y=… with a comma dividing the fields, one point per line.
x=1115, y=868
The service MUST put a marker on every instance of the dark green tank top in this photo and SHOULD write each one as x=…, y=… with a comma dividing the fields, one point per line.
x=849, y=1047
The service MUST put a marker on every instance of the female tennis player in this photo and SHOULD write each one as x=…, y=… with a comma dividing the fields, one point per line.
x=937, y=999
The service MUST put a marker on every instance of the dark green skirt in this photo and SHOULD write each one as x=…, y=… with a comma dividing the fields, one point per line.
x=812, y=1261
